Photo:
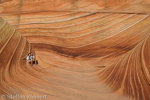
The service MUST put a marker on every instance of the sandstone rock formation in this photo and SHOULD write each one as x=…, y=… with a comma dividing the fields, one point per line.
x=87, y=49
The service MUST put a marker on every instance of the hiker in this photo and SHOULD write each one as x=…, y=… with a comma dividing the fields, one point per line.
x=31, y=58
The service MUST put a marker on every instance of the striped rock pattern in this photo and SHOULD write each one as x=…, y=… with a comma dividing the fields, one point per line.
x=87, y=49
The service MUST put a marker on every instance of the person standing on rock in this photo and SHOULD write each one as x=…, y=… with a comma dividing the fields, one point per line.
x=31, y=59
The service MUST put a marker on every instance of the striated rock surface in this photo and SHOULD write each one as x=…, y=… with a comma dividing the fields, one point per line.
x=87, y=49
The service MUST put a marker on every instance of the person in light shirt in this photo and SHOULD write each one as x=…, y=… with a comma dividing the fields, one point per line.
x=31, y=58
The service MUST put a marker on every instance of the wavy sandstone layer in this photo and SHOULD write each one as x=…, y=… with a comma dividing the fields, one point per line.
x=87, y=50
x=26, y=6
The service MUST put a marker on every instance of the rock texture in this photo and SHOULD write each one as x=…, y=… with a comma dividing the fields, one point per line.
x=87, y=49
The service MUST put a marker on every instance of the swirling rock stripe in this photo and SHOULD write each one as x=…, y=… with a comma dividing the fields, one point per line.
x=99, y=34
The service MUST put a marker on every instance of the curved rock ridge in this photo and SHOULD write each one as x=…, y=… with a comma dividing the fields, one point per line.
x=13, y=51
x=130, y=75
